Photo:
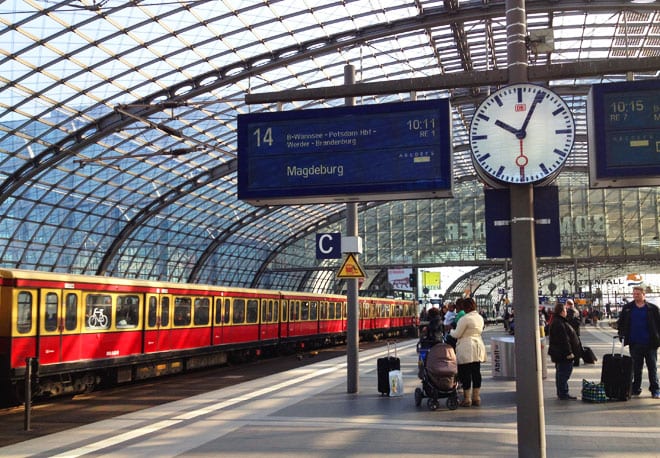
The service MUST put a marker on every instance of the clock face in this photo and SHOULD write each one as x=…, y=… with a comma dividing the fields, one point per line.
x=522, y=133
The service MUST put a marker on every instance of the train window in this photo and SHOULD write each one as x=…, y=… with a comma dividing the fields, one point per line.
x=98, y=311
x=276, y=311
x=252, y=311
x=71, y=312
x=218, y=311
x=164, y=311
x=225, y=311
x=182, y=311
x=294, y=310
x=127, y=314
x=285, y=311
x=323, y=312
x=304, y=310
x=313, y=310
x=201, y=315
x=238, y=312
x=51, y=318
x=24, y=313
x=331, y=310
x=152, y=312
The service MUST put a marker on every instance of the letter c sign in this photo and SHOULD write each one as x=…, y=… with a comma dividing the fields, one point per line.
x=328, y=246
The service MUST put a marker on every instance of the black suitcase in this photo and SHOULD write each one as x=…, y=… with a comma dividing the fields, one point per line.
x=384, y=366
x=617, y=374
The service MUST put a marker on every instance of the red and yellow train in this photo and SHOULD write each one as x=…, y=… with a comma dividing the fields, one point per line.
x=85, y=330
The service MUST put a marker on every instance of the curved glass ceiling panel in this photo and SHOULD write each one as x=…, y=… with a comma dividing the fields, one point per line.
x=118, y=118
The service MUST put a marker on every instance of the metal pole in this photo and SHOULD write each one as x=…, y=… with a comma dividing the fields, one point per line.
x=352, y=329
x=529, y=377
x=28, y=394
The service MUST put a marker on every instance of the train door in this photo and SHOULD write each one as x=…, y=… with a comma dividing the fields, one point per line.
x=157, y=329
x=218, y=319
x=50, y=334
x=59, y=327
x=284, y=319
x=268, y=327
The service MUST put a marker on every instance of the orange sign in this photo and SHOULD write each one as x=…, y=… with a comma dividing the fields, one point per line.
x=350, y=268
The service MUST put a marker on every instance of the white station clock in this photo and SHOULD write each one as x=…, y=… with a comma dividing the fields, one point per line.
x=522, y=133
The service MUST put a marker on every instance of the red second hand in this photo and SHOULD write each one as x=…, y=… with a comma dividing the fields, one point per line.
x=521, y=160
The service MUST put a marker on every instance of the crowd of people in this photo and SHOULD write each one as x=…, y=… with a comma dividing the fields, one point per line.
x=638, y=326
x=461, y=325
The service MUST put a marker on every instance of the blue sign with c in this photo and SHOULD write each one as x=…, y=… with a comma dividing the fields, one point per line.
x=328, y=246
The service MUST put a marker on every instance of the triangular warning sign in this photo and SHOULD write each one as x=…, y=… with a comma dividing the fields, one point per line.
x=350, y=268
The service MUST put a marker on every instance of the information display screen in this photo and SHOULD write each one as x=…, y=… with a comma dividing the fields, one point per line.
x=346, y=154
x=624, y=134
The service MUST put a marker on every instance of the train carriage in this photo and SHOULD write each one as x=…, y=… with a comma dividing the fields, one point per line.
x=332, y=318
x=83, y=330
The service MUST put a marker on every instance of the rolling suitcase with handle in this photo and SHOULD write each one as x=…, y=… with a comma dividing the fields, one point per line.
x=384, y=366
x=617, y=374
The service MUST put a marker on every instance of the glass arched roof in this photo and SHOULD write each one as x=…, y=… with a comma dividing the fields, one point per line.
x=118, y=118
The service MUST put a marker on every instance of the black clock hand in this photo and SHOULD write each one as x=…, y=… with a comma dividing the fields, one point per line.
x=505, y=126
x=537, y=99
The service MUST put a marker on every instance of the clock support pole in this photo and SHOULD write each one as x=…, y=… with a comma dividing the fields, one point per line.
x=352, y=285
x=529, y=382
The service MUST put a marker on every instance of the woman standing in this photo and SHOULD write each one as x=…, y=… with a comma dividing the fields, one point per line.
x=470, y=352
x=564, y=348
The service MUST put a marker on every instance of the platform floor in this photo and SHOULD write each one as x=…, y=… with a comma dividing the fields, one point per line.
x=307, y=412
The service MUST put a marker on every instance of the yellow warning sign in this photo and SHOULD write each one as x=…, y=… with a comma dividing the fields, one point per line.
x=350, y=268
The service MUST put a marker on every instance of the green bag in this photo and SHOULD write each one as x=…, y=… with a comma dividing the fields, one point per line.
x=593, y=392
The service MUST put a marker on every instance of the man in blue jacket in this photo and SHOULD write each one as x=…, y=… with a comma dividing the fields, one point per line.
x=639, y=327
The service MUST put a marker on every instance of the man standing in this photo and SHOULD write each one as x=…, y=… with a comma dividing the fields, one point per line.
x=573, y=318
x=639, y=327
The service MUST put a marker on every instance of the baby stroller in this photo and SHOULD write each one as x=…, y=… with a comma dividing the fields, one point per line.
x=437, y=370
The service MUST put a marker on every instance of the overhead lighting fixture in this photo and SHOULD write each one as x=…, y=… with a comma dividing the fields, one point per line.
x=173, y=152
x=176, y=133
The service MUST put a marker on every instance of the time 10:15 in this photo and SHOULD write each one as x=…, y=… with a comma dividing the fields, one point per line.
x=623, y=106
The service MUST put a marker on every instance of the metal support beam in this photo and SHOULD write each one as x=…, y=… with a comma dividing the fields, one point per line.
x=463, y=79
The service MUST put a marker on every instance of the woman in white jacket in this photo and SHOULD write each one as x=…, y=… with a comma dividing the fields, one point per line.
x=470, y=352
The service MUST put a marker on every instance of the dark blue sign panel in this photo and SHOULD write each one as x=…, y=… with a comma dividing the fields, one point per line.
x=624, y=134
x=346, y=154
x=547, y=241
x=328, y=245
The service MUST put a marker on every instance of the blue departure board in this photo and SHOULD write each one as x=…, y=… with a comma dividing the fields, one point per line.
x=346, y=154
x=624, y=134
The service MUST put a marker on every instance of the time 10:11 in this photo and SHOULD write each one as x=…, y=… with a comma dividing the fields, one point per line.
x=421, y=124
